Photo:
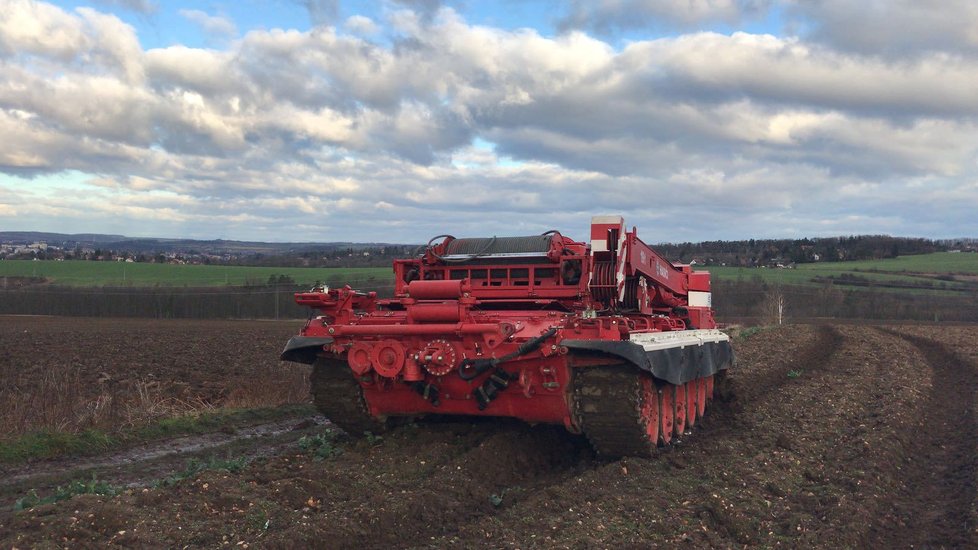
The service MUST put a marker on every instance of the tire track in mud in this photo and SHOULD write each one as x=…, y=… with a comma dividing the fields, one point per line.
x=469, y=472
x=823, y=432
x=744, y=388
x=677, y=477
x=936, y=506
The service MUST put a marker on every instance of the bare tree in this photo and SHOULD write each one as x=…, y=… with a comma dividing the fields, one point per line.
x=773, y=306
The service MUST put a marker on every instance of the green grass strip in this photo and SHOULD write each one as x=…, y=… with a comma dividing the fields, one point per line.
x=76, y=487
x=48, y=444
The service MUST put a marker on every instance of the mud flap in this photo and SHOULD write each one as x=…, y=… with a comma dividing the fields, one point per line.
x=676, y=365
x=304, y=349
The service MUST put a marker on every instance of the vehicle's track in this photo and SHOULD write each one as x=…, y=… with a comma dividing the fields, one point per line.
x=936, y=506
x=744, y=389
x=812, y=356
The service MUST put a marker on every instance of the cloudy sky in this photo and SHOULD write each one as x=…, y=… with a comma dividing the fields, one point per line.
x=395, y=120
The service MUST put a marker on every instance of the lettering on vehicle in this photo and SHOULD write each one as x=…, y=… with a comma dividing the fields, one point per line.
x=661, y=270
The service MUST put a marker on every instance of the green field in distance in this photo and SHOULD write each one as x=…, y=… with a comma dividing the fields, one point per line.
x=82, y=273
x=905, y=270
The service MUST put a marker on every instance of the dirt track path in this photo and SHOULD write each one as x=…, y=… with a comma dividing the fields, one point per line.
x=817, y=443
x=257, y=439
x=935, y=506
x=147, y=464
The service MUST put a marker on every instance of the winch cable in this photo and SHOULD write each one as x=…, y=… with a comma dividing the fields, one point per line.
x=470, y=257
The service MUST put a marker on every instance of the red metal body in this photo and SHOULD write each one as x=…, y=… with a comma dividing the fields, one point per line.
x=479, y=326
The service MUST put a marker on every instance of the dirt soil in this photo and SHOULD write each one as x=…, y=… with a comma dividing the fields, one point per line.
x=71, y=374
x=826, y=436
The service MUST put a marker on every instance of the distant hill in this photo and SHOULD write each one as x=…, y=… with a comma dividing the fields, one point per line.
x=144, y=245
x=748, y=253
x=24, y=237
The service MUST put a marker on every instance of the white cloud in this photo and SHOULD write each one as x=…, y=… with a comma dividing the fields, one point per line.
x=37, y=27
x=609, y=15
x=282, y=129
x=900, y=28
x=212, y=24
x=359, y=24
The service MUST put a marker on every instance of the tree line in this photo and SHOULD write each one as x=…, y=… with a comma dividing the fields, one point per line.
x=766, y=252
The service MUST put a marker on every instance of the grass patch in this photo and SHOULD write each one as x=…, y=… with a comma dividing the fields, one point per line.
x=321, y=446
x=746, y=333
x=77, y=487
x=194, y=467
x=102, y=488
x=49, y=444
x=373, y=439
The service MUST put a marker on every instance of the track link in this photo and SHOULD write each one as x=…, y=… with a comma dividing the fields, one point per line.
x=338, y=395
x=623, y=412
x=608, y=402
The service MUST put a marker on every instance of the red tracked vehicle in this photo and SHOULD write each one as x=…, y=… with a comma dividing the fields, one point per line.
x=605, y=337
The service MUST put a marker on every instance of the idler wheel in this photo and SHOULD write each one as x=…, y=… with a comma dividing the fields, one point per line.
x=709, y=387
x=358, y=358
x=388, y=358
x=691, y=393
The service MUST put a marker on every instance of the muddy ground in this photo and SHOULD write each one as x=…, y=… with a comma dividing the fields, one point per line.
x=71, y=374
x=829, y=436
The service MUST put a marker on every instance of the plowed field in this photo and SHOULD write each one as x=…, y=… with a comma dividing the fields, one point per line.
x=827, y=436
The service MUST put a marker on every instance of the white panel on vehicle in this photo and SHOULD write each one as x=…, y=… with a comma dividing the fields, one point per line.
x=653, y=341
x=601, y=245
x=700, y=299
